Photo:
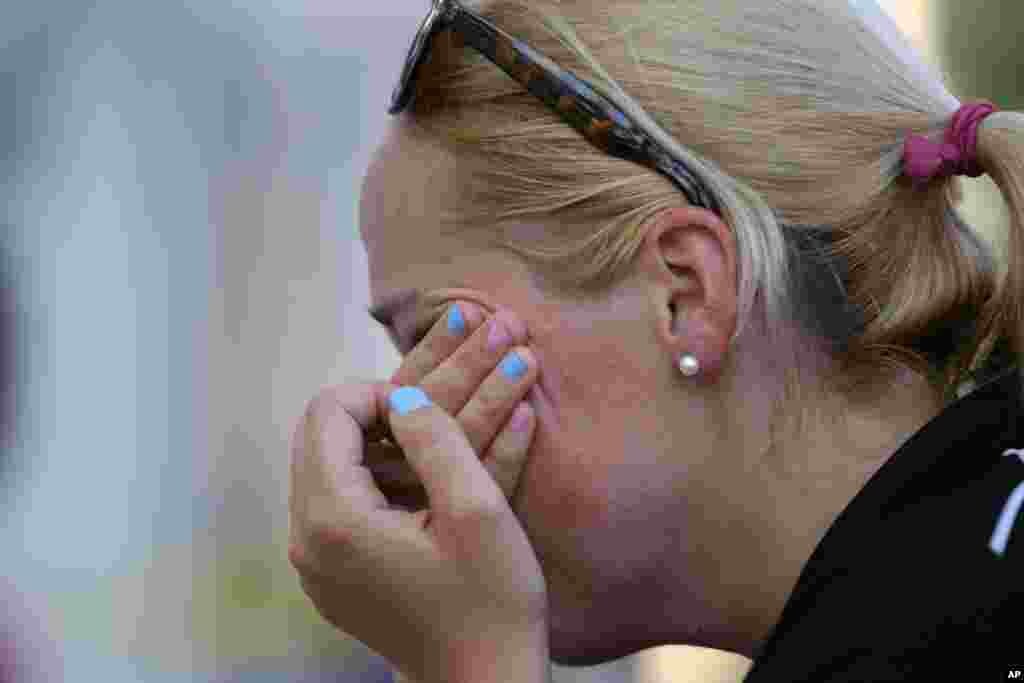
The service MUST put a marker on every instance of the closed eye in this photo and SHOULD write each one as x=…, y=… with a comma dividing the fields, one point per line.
x=421, y=332
x=406, y=344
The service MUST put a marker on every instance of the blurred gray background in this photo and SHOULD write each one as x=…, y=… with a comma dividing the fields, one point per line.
x=184, y=272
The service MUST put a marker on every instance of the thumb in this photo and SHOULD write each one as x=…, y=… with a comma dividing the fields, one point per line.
x=456, y=481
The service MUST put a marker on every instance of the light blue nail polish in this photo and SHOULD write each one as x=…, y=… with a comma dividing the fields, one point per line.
x=456, y=323
x=512, y=365
x=407, y=399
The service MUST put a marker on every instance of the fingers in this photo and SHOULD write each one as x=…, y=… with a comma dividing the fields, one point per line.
x=455, y=356
x=395, y=477
x=469, y=377
x=497, y=396
x=505, y=458
x=454, y=326
x=436, y=447
x=330, y=489
x=458, y=322
x=460, y=353
x=456, y=384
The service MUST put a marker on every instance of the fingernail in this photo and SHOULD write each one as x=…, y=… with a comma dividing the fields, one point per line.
x=513, y=365
x=497, y=335
x=520, y=418
x=407, y=399
x=456, y=323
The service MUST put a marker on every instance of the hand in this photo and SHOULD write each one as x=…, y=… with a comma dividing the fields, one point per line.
x=450, y=371
x=453, y=592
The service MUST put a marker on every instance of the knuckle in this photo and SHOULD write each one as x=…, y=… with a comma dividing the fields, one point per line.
x=325, y=403
x=299, y=558
x=321, y=527
x=423, y=358
x=339, y=543
x=479, y=420
x=422, y=428
x=451, y=377
x=425, y=440
x=325, y=397
x=321, y=533
x=490, y=401
x=474, y=427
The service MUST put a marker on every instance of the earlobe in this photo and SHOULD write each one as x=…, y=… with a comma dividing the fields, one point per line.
x=708, y=338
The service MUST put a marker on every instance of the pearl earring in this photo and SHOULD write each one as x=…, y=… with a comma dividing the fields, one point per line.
x=688, y=365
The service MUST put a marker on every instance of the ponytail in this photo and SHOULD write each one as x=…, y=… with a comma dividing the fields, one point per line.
x=997, y=341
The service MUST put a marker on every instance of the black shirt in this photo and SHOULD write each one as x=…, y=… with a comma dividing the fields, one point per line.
x=921, y=577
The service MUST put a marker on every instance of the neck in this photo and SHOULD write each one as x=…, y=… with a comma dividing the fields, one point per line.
x=778, y=502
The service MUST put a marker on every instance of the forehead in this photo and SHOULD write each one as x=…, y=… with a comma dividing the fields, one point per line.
x=405, y=179
x=407, y=182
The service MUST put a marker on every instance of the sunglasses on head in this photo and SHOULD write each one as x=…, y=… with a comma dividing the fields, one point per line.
x=607, y=119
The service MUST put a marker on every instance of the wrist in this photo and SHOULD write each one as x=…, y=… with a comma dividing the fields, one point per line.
x=523, y=658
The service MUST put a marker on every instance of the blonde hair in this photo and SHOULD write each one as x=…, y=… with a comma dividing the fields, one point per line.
x=794, y=113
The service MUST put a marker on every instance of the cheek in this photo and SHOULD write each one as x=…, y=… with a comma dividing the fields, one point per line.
x=563, y=472
x=562, y=504
x=597, y=524
x=588, y=482
x=562, y=477
x=585, y=472
x=583, y=458
x=596, y=486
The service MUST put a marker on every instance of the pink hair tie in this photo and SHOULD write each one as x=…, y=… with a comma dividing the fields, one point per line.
x=924, y=159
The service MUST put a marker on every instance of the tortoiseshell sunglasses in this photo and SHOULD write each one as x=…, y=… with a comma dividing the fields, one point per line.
x=600, y=117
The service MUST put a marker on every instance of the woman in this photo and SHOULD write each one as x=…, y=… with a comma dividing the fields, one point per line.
x=746, y=316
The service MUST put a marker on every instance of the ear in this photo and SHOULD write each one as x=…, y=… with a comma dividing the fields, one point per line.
x=688, y=260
